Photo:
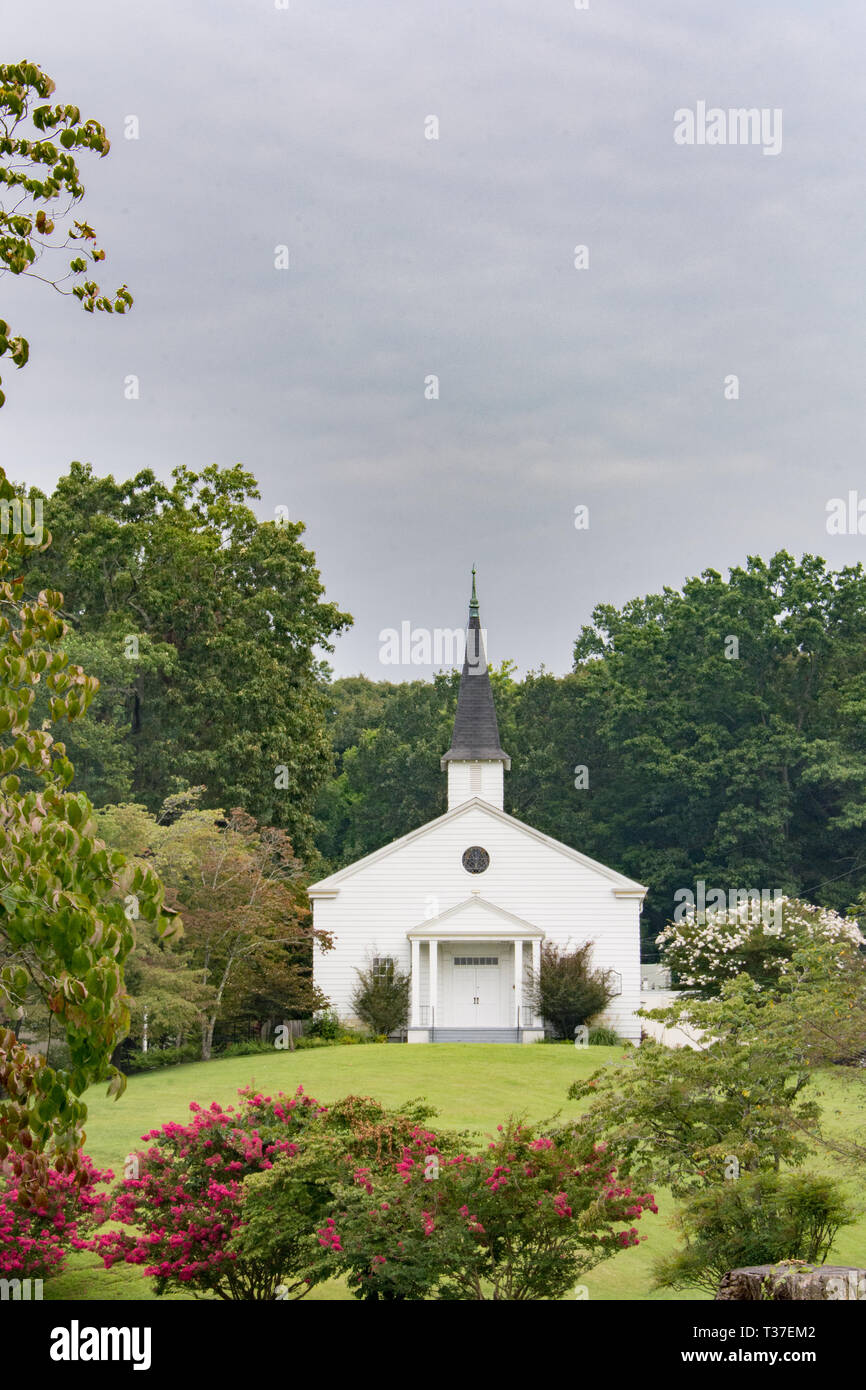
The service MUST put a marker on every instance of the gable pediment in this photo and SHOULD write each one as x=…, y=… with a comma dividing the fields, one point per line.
x=474, y=919
x=620, y=885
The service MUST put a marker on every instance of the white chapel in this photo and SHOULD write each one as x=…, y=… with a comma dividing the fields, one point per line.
x=466, y=901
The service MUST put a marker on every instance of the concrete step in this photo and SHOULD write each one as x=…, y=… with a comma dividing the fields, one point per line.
x=475, y=1035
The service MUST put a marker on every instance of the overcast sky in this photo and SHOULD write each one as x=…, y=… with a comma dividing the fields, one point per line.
x=411, y=257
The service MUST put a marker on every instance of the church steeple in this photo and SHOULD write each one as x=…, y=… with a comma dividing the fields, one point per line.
x=475, y=760
x=473, y=602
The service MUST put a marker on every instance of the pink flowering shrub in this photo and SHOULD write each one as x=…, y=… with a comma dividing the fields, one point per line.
x=231, y=1203
x=523, y=1219
x=39, y=1224
x=264, y=1201
x=184, y=1201
x=289, y=1210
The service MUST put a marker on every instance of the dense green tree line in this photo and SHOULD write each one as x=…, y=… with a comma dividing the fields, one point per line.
x=714, y=732
x=721, y=728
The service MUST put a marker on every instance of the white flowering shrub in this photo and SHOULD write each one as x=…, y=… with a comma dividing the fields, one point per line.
x=706, y=948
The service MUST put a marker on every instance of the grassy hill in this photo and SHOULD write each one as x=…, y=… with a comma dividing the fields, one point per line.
x=472, y=1087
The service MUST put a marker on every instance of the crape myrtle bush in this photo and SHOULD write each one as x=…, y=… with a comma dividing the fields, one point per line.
x=270, y=1198
x=288, y=1203
x=184, y=1204
x=523, y=1219
x=747, y=939
x=38, y=1227
x=184, y=1195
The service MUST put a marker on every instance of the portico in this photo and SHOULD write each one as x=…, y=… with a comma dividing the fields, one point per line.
x=471, y=968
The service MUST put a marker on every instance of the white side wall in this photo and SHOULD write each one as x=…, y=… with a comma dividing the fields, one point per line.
x=570, y=902
x=670, y=1037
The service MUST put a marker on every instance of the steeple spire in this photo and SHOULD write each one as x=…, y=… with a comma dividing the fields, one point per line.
x=476, y=731
x=473, y=602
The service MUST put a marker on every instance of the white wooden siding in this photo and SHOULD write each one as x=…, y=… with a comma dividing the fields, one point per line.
x=468, y=779
x=570, y=902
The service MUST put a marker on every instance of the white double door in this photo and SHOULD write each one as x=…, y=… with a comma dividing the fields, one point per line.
x=475, y=988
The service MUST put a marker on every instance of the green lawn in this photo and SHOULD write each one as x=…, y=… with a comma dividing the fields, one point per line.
x=472, y=1087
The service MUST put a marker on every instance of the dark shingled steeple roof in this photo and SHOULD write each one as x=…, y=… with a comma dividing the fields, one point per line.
x=476, y=732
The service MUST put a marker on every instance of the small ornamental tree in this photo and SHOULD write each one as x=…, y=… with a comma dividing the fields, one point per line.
x=36, y=1228
x=381, y=997
x=817, y=1016
x=676, y=1116
x=758, y=1220
x=183, y=1196
x=349, y=1143
x=248, y=932
x=39, y=185
x=522, y=1220
x=756, y=939
x=567, y=991
x=67, y=904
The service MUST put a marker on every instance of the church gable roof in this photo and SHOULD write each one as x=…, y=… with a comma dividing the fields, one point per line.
x=620, y=884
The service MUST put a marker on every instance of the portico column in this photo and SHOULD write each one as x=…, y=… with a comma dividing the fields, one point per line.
x=434, y=979
x=536, y=963
x=518, y=980
x=415, y=1012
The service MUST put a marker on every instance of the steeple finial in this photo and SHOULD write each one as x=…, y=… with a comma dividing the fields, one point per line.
x=473, y=602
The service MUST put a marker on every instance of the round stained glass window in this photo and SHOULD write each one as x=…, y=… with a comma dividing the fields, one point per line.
x=475, y=860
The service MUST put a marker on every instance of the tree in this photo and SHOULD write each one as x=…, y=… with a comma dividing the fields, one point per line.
x=817, y=1015
x=38, y=173
x=35, y=1235
x=683, y=1116
x=64, y=928
x=217, y=617
x=286, y=1203
x=388, y=740
x=247, y=927
x=102, y=747
x=730, y=722
x=166, y=993
x=567, y=991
